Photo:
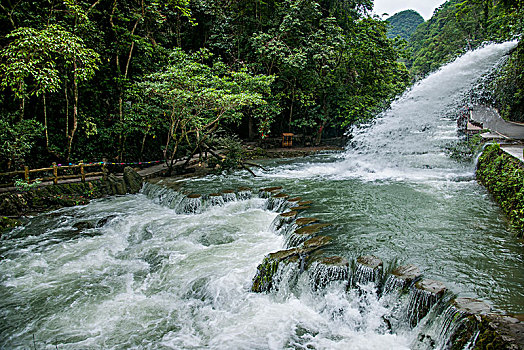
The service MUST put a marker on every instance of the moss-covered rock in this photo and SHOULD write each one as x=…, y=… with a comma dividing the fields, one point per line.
x=132, y=180
x=264, y=278
x=493, y=332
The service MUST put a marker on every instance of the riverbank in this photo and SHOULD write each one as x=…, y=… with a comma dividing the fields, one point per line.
x=16, y=204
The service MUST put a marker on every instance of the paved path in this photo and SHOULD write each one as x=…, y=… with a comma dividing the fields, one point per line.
x=491, y=119
x=506, y=131
x=514, y=150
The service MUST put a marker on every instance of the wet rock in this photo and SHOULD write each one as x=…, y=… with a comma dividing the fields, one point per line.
x=267, y=192
x=271, y=189
x=471, y=306
x=305, y=221
x=282, y=220
x=368, y=269
x=264, y=278
x=422, y=296
x=301, y=208
x=132, y=180
x=431, y=286
x=303, y=234
x=489, y=331
x=407, y=272
x=215, y=199
x=229, y=195
x=316, y=242
x=370, y=261
x=289, y=214
x=104, y=221
x=401, y=278
x=327, y=270
x=116, y=185
x=244, y=193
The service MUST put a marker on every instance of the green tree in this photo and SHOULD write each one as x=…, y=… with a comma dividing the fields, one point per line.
x=193, y=98
x=33, y=63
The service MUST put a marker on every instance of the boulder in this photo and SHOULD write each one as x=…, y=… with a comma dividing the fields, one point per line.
x=132, y=180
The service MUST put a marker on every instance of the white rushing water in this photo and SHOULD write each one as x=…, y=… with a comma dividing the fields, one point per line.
x=153, y=277
x=407, y=141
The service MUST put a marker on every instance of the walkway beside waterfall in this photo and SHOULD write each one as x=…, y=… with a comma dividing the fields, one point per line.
x=507, y=131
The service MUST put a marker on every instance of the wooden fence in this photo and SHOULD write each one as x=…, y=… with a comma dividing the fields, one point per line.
x=29, y=174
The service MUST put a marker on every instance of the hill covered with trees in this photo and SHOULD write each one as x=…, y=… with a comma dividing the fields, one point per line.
x=149, y=79
x=404, y=24
x=458, y=26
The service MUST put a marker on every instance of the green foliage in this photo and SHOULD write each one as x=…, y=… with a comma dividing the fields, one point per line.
x=17, y=139
x=192, y=98
x=277, y=66
x=503, y=176
x=31, y=62
x=460, y=25
x=508, y=87
x=22, y=185
x=404, y=24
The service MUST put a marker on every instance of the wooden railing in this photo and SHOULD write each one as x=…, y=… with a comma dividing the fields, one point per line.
x=29, y=174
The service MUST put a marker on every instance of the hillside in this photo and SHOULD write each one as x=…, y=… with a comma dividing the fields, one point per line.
x=458, y=26
x=403, y=24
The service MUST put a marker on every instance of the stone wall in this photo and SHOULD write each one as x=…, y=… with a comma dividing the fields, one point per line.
x=17, y=204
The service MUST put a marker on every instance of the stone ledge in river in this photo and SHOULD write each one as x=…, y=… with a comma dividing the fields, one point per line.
x=489, y=331
x=471, y=306
x=301, y=208
x=407, y=272
x=328, y=269
x=422, y=296
x=263, y=280
x=431, y=286
x=368, y=268
x=303, y=234
x=305, y=221
x=401, y=278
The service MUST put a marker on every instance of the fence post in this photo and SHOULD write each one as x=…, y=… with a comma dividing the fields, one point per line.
x=55, y=173
x=26, y=173
x=82, y=172
x=104, y=169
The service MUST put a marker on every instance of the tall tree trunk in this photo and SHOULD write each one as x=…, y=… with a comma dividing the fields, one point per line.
x=67, y=110
x=75, y=112
x=45, y=124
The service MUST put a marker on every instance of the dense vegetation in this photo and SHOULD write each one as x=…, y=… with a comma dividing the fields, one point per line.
x=461, y=25
x=503, y=176
x=148, y=79
x=403, y=24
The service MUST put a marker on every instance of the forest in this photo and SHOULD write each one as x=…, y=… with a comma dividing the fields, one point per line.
x=145, y=79
x=136, y=80
x=404, y=24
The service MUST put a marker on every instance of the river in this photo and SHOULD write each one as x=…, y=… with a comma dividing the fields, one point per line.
x=154, y=276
